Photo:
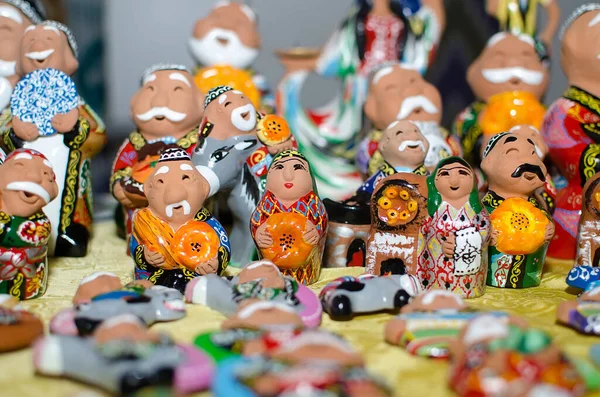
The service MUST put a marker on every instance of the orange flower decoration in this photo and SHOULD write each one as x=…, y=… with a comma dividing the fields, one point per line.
x=396, y=206
x=521, y=226
x=194, y=243
x=509, y=109
x=273, y=130
x=289, y=250
x=238, y=79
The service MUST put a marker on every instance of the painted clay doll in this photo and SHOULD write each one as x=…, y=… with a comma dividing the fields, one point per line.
x=256, y=314
x=588, y=246
x=521, y=228
x=166, y=110
x=235, y=149
x=398, y=209
x=80, y=136
x=175, y=238
x=225, y=43
x=289, y=224
x=260, y=280
x=570, y=126
x=582, y=314
x=18, y=327
x=453, y=242
x=27, y=184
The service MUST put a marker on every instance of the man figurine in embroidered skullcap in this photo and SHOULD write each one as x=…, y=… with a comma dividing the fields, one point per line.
x=175, y=238
x=166, y=110
x=81, y=135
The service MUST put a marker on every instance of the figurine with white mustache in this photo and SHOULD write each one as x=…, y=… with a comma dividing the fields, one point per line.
x=166, y=110
x=27, y=184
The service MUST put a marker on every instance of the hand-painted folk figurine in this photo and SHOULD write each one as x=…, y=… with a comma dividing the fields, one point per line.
x=256, y=314
x=175, y=238
x=398, y=209
x=289, y=224
x=166, y=110
x=81, y=135
x=27, y=184
x=521, y=228
x=225, y=43
x=588, y=244
x=582, y=314
x=18, y=327
x=570, y=126
x=453, y=241
x=235, y=151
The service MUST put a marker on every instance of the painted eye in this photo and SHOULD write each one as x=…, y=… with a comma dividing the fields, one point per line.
x=384, y=203
x=219, y=154
x=412, y=206
x=391, y=192
x=404, y=195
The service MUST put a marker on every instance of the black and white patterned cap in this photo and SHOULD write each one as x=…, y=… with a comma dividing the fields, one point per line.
x=70, y=38
x=579, y=11
x=173, y=154
x=214, y=93
x=157, y=67
x=493, y=141
x=32, y=9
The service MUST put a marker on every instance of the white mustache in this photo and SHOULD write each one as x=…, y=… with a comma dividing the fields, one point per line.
x=40, y=55
x=502, y=75
x=239, y=122
x=30, y=187
x=184, y=203
x=406, y=144
x=163, y=111
x=7, y=68
x=414, y=102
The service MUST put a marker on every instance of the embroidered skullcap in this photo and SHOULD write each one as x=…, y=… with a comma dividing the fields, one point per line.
x=214, y=93
x=67, y=32
x=493, y=141
x=32, y=9
x=173, y=154
x=579, y=11
x=158, y=67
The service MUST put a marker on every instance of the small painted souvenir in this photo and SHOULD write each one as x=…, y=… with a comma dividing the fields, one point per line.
x=583, y=276
x=175, y=238
x=18, y=327
x=95, y=284
x=582, y=314
x=173, y=124
x=498, y=357
x=123, y=357
x=570, y=126
x=397, y=92
x=257, y=314
x=289, y=225
x=403, y=148
x=398, y=209
x=80, y=136
x=588, y=246
x=27, y=184
x=347, y=296
x=230, y=151
x=374, y=33
x=225, y=43
x=453, y=239
x=258, y=280
x=521, y=227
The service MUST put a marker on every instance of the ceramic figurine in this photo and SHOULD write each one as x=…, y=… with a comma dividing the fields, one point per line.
x=225, y=43
x=123, y=357
x=175, y=238
x=397, y=92
x=257, y=314
x=453, y=241
x=570, y=127
x=80, y=132
x=172, y=124
x=376, y=32
x=346, y=296
x=588, y=246
x=398, y=209
x=289, y=224
x=236, y=149
x=18, y=327
x=508, y=80
x=582, y=314
x=521, y=228
x=501, y=358
x=260, y=280
x=27, y=184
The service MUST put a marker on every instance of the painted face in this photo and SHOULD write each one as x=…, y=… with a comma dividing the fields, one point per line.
x=529, y=132
x=403, y=145
x=260, y=314
x=454, y=181
x=12, y=26
x=580, y=50
x=167, y=104
x=262, y=270
x=231, y=114
x=27, y=184
x=289, y=179
x=176, y=191
x=397, y=93
x=46, y=47
x=508, y=63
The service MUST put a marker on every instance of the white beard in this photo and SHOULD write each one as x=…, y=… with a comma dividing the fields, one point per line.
x=6, y=90
x=209, y=52
x=7, y=68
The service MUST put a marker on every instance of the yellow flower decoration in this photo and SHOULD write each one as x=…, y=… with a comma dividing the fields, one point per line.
x=391, y=192
x=412, y=205
x=238, y=79
x=384, y=203
x=404, y=195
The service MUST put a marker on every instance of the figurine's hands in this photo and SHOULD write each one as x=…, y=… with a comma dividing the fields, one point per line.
x=280, y=147
x=549, y=232
x=137, y=200
x=208, y=267
x=65, y=122
x=154, y=258
x=449, y=245
x=311, y=235
x=119, y=193
x=263, y=238
x=25, y=130
x=494, y=237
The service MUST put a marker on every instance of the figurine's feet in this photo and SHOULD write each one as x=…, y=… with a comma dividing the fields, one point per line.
x=73, y=243
x=48, y=356
x=195, y=292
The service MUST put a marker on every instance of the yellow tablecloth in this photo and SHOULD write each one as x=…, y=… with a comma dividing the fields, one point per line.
x=409, y=375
